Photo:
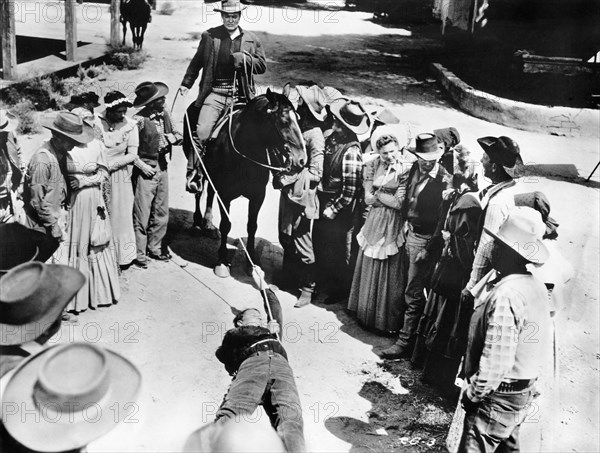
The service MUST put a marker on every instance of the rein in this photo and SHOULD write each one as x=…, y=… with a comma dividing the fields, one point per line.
x=230, y=121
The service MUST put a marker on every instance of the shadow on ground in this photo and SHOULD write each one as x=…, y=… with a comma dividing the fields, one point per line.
x=414, y=421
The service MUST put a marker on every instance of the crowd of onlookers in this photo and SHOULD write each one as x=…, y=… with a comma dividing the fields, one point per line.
x=402, y=228
x=98, y=186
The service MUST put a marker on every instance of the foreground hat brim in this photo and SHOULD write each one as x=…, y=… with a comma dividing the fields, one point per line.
x=534, y=252
x=361, y=129
x=19, y=244
x=53, y=432
x=230, y=11
x=86, y=136
x=70, y=281
x=163, y=90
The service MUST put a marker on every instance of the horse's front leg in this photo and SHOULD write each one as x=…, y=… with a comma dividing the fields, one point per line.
x=222, y=268
x=254, y=205
x=206, y=224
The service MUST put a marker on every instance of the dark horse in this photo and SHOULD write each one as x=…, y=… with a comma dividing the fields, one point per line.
x=264, y=134
x=138, y=13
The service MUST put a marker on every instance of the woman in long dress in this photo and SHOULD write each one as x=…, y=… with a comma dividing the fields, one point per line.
x=121, y=140
x=376, y=291
x=90, y=252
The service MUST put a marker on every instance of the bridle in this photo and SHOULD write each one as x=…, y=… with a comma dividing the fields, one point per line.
x=230, y=121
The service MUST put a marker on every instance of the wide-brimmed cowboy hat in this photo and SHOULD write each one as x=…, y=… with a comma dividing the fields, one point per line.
x=146, y=92
x=8, y=121
x=234, y=435
x=522, y=231
x=69, y=125
x=352, y=115
x=315, y=100
x=230, y=7
x=503, y=151
x=88, y=99
x=116, y=99
x=77, y=392
x=19, y=244
x=32, y=296
x=385, y=116
x=426, y=147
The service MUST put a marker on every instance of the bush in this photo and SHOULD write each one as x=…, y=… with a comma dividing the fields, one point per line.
x=166, y=9
x=126, y=57
x=26, y=112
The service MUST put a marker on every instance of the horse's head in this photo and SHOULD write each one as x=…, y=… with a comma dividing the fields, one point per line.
x=288, y=147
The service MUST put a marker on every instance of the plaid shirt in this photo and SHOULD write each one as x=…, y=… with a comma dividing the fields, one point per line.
x=496, y=201
x=351, y=179
x=506, y=317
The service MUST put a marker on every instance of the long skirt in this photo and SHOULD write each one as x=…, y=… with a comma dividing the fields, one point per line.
x=121, y=215
x=96, y=263
x=376, y=294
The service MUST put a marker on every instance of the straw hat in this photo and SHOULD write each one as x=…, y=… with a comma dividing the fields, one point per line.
x=397, y=130
x=522, y=231
x=69, y=125
x=352, y=115
x=146, y=92
x=427, y=148
x=8, y=121
x=230, y=7
x=32, y=296
x=315, y=100
x=75, y=392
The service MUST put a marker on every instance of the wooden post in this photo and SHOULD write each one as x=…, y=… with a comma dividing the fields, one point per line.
x=71, y=29
x=8, y=38
x=115, y=23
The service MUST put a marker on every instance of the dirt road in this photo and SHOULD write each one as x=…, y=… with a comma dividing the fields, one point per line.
x=172, y=316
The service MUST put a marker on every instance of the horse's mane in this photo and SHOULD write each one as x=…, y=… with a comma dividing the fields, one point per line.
x=258, y=104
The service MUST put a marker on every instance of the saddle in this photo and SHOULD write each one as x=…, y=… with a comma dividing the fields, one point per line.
x=224, y=119
x=195, y=176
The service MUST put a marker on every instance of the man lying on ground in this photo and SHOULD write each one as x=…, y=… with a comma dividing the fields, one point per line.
x=254, y=356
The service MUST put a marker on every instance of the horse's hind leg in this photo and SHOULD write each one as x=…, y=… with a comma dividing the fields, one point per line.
x=133, y=35
x=124, y=32
x=141, y=36
x=222, y=268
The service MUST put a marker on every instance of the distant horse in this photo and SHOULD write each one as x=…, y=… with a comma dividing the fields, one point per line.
x=138, y=13
x=261, y=137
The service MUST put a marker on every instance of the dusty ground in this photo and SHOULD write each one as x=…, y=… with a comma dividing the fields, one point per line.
x=171, y=317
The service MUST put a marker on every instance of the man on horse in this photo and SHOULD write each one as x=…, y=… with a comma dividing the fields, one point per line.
x=229, y=57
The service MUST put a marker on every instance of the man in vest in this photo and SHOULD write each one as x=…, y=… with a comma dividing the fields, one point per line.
x=228, y=57
x=338, y=192
x=421, y=209
x=151, y=201
x=507, y=336
x=501, y=162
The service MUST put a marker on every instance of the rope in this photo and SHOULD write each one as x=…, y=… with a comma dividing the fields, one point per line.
x=223, y=209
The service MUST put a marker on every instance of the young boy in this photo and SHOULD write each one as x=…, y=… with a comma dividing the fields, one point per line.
x=151, y=204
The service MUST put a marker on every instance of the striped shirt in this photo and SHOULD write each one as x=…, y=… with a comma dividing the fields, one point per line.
x=496, y=202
